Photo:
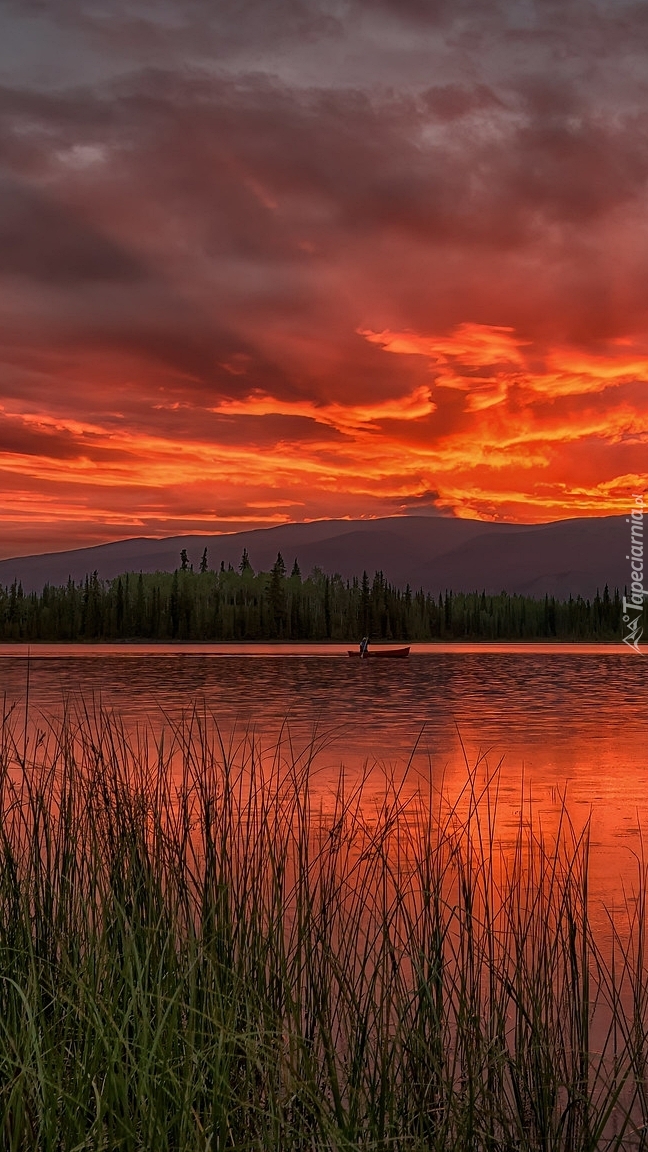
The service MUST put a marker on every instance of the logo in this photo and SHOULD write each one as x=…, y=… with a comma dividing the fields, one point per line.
x=634, y=602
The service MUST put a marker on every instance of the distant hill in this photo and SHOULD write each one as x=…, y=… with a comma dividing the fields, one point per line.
x=565, y=557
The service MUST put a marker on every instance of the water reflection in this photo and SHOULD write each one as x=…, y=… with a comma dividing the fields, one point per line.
x=556, y=720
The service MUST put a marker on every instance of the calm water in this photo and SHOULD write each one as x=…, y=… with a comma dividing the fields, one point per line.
x=559, y=718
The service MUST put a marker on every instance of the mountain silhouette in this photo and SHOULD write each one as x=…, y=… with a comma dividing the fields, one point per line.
x=435, y=553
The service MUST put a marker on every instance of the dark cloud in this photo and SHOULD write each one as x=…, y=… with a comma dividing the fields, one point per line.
x=254, y=431
x=203, y=203
x=430, y=502
x=453, y=101
x=46, y=241
x=17, y=438
x=272, y=222
x=280, y=180
x=246, y=201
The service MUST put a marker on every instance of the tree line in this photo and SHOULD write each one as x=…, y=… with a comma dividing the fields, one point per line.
x=241, y=604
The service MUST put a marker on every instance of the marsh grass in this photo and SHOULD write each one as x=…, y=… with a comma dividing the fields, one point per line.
x=195, y=956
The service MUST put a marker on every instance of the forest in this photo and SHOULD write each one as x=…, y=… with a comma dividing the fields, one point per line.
x=241, y=604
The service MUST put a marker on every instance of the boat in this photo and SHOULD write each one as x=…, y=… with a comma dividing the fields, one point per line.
x=393, y=653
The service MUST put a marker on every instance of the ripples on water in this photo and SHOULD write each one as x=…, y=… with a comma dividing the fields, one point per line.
x=560, y=720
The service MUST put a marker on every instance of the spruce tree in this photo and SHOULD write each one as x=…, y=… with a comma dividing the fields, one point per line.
x=244, y=565
x=365, y=604
x=277, y=596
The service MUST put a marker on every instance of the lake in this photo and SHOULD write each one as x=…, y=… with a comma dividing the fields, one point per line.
x=549, y=719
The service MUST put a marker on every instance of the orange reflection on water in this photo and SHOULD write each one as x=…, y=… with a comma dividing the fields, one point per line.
x=546, y=722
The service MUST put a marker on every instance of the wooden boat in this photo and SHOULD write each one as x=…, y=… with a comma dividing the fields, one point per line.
x=392, y=653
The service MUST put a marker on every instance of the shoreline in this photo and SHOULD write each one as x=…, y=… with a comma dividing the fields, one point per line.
x=317, y=649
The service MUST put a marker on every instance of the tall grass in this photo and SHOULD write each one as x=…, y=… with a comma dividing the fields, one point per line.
x=195, y=956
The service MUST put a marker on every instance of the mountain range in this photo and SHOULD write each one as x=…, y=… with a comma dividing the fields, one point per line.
x=435, y=553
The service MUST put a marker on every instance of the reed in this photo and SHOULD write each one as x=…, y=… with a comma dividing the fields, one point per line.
x=195, y=956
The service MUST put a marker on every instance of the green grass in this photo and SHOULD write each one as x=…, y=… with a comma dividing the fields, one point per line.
x=193, y=956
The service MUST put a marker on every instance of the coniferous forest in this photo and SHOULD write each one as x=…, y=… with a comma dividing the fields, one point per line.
x=231, y=604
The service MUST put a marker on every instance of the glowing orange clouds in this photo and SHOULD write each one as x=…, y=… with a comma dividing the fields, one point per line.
x=498, y=432
x=412, y=406
x=246, y=279
x=475, y=345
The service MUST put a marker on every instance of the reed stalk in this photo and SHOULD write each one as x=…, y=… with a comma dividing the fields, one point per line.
x=195, y=956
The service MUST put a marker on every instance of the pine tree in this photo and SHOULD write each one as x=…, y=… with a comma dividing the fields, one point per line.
x=327, y=608
x=203, y=561
x=277, y=596
x=184, y=560
x=240, y=606
x=244, y=565
x=365, y=604
x=174, y=606
x=119, y=609
x=140, y=606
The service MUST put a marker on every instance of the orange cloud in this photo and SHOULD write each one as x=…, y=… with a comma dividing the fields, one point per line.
x=474, y=345
x=573, y=373
x=344, y=417
x=497, y=456
x=498, y=433
x=564, y=371
x=295, y=287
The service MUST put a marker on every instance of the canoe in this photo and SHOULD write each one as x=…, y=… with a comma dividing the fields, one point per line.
x=394, y=653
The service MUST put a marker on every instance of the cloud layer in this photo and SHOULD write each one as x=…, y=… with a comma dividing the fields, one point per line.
x=289, y=260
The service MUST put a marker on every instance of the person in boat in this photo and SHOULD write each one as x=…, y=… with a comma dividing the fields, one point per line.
x=364, y=644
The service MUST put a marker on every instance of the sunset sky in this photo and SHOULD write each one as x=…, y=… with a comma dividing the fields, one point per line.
x=280, y=260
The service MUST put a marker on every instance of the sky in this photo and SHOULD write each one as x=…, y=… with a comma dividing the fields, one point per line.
x=265, y=261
